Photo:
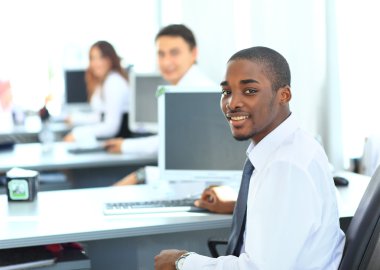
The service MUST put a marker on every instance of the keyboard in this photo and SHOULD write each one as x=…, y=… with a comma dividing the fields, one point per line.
x=78, y=149
x=86, y=150
x=6, y=144
x=156, y=206
x=20, y=138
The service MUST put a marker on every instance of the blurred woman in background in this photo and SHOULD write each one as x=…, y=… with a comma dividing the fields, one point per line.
x=108, y=94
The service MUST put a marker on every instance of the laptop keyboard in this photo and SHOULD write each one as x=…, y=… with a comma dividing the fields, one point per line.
x=156, y=206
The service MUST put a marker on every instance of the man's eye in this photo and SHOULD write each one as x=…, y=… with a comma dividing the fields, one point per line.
x=174, y=53
x=250, y=91
x=225, y=92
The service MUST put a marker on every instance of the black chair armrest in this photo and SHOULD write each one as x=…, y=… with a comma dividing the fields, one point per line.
x=212, y=244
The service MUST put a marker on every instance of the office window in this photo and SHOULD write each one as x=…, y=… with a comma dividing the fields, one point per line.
x=42, y=38
x=359, y=58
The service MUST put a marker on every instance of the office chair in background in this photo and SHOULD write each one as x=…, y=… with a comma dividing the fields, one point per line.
x=362, y=248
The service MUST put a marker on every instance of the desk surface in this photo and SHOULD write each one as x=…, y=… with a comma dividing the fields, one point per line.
x=31, y=156
x=116, y=241
x=35, y=128
x=76, y=215
x=349, y=197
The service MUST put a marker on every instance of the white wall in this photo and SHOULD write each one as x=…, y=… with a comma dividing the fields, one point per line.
x=295, y=28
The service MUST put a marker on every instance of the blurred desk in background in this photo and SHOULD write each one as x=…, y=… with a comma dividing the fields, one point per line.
x=82, y=170
x=30, y=133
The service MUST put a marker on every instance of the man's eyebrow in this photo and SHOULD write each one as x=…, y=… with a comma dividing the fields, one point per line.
x=248, y=81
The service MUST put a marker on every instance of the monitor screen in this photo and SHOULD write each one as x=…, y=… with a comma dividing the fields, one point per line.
x=75, y=86
x=195, y=138
x=143, y=114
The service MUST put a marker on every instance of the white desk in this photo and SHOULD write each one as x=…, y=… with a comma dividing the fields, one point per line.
x=126, y=241
x=31, y=156
x=29, y=131
x=349, y=197
x=84, y=170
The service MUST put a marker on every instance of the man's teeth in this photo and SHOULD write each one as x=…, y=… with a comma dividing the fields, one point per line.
x=238, y=118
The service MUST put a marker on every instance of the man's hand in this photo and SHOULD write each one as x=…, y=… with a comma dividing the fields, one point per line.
x=130, y=179
x=166, y=259
x=218, y=199
x=114, y=145
x=69, y=138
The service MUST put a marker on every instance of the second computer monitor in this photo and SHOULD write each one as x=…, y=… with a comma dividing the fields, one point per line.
x=143, y=107
x=75, y=86
x=196, y=143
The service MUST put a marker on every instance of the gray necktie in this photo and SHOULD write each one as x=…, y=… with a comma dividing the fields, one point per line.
x=235, y=241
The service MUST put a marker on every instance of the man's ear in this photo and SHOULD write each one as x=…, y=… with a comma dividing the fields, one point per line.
x=285, y=94
x=194, y=53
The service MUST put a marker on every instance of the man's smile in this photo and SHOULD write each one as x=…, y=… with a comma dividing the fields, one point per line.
x=236, y=116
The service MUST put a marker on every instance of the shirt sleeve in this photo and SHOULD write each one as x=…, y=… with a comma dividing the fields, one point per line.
x=114, y=95
x=144, y=145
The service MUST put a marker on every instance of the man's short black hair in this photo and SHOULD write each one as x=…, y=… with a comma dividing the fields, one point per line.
x=178, y=30
x=276, y=68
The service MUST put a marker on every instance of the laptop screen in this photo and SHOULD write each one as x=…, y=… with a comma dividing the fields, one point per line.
x=195, y=138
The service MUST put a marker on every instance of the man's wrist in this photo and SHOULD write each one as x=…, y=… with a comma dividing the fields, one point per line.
x=140, y=176
x=181, y=260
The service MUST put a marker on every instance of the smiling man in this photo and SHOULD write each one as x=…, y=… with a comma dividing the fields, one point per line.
x=286, y=215
x=177, y=54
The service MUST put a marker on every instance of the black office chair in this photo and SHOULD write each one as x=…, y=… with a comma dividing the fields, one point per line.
x=213, y=244
x=363, y=232
x=362, y=248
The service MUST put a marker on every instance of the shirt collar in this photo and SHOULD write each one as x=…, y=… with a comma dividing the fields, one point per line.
x=258, y=154
x=188, y=75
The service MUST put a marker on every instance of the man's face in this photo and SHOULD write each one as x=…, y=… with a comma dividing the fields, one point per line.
x=250, y=105
x=174, y=57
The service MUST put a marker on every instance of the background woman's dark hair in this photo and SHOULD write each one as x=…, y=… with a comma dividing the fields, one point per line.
x=107, y=51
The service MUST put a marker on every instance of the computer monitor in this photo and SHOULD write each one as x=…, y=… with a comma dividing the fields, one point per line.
x=196, y=143
x=143, y=107
x=75, y=86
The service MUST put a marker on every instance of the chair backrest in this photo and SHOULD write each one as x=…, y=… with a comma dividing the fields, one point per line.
x=363, y=232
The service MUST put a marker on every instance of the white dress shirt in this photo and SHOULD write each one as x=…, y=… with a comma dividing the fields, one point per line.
x=112, y=100
x=149, y=145
x=292, y=214
x=195, y=77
